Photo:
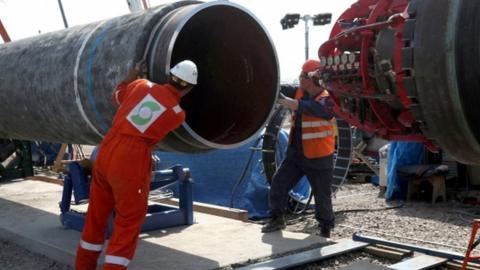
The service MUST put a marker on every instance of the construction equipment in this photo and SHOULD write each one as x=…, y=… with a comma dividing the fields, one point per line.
x=15, y=159
x=472, y=244
x=3, y=33
x=64, y=80
x=406, y=70
x=77, y=183
x=397, y=69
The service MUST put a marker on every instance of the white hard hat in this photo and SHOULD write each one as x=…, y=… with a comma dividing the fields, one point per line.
x=185, y=70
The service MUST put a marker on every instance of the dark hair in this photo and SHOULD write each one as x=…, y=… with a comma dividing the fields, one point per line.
x=177, y=82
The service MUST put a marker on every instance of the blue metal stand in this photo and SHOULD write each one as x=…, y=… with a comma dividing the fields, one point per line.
x=158, y=216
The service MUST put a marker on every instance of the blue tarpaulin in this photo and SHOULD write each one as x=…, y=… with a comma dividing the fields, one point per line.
x=43, y=153
x=231, y=178
x=218, y=180
x=401, y=154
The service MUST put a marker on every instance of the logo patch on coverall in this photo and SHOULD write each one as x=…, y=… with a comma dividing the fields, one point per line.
x=145, y=113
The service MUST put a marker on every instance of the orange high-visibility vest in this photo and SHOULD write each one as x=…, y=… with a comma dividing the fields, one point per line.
x=318, y=136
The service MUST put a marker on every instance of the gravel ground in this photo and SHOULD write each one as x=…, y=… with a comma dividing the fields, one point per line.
x=440, y=225
x=444, y=226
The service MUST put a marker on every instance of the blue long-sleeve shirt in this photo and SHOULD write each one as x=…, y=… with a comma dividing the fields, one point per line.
x=321, y=108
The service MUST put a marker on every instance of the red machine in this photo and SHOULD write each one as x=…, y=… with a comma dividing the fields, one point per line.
x=396, y=69
x=3, y=33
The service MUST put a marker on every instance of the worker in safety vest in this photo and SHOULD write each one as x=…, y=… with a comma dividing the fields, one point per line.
x=310, y=150
x=147, y=112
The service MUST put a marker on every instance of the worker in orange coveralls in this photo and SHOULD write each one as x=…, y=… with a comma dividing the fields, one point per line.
x=147, y=112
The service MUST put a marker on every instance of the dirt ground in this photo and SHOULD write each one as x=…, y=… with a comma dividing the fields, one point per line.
x=359, y=207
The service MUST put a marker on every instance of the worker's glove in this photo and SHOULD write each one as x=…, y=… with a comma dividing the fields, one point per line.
x=141, y=68
x=287, y=102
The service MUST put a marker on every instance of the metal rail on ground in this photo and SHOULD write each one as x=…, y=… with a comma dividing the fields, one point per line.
x=427, y=259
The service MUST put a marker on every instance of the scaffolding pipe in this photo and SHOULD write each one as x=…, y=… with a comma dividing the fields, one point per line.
x=57, y=87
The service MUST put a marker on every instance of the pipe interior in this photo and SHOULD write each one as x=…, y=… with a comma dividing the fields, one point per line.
x=238, y=76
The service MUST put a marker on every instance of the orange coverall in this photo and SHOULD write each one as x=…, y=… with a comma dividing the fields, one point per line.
x=122, y=171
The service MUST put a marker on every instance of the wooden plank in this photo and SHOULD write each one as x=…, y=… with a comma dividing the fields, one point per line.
x=419, y=263
x=58, y=161
x=45, y=179
x=367, y=162
x=401, y=250
x=215, y=210
x=364, y=265
x=387, y=253
x=305, y=257
x=457, y=265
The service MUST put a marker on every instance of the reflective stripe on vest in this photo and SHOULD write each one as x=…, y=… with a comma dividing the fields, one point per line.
x=89, y=246
x=316, y=135
x=117, y=260
x=322, y=123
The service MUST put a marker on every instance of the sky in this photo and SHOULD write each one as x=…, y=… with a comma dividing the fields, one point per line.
x=25, y=18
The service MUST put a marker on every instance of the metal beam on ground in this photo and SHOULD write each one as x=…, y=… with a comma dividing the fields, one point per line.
x=309, y=256
x=419, y=263
x=428, y=251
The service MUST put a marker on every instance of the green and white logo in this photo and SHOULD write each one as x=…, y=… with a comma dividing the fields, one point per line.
x=145, y=113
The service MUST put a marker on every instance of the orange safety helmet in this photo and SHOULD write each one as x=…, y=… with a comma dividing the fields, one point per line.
x=310, y=65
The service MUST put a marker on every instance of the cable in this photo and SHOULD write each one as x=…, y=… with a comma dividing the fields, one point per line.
x=364, y=209
x=244, y=172
x=460, y=216
x=307, y=204
x=369, y=209
x=357, y=194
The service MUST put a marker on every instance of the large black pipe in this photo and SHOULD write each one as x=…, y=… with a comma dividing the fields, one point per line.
x=446, y=60
x=57, y=87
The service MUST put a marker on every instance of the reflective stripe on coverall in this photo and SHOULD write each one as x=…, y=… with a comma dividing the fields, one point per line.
x=122, y=172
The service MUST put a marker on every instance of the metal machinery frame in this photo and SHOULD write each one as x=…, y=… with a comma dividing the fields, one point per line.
x=401, y=70
x=15, y=155
x=429, y=251
x=3, y=33
x=158, y=216
x=362, y=69
x=15, y=159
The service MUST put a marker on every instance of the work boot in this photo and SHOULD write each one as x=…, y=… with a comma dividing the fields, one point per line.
x=325, y=232
x=275, y=224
